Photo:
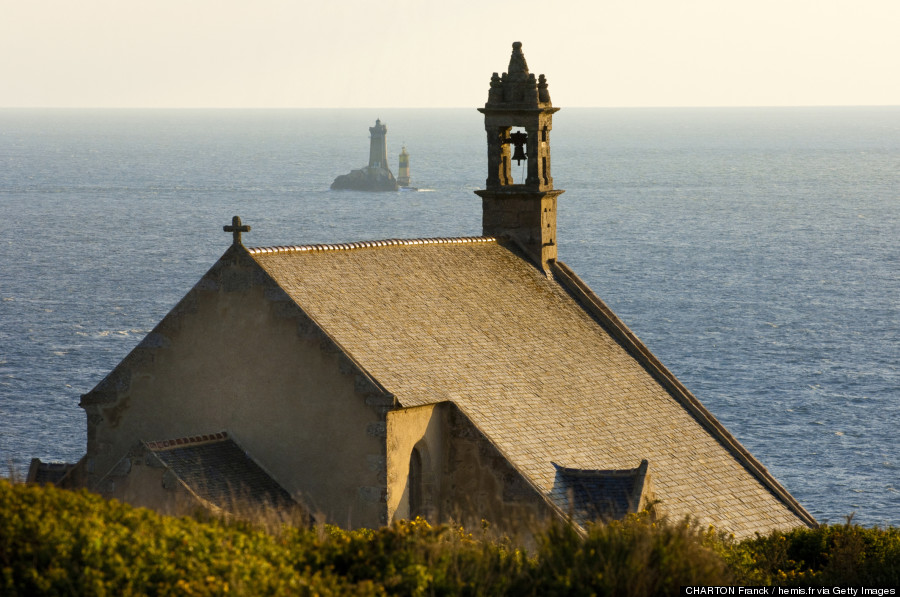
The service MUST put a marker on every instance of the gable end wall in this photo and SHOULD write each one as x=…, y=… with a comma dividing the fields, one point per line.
x=237, y=354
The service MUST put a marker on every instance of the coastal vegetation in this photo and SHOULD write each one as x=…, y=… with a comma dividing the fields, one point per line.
x=57, y=542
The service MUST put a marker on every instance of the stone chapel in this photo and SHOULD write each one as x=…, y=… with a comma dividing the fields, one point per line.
x=453, y=378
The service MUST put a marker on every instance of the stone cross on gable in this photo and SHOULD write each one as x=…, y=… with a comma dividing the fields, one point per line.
x=236, y=228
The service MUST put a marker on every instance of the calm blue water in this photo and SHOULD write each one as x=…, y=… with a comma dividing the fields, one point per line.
x=753, y=250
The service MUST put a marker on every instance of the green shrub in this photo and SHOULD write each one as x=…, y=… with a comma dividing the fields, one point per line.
x=411, y=558
x=845, y=554
x=634, y=556
x=55, y=542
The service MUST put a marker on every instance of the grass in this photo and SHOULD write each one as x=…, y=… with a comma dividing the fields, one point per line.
x=55, y=542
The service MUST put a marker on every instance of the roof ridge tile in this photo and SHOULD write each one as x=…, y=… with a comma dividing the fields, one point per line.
x=371, y=244
x=185, y=441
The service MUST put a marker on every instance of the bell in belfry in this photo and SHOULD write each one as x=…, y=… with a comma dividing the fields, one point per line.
x=518, y=139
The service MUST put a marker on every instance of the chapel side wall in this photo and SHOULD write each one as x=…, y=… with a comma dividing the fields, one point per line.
x=480, y=483
x=238, y=356
x=466, y=478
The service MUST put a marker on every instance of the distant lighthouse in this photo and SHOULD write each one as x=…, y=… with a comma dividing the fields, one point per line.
x=376, y=176
x=378, y=145
x=403, y=171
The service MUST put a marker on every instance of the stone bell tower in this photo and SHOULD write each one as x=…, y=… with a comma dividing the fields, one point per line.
x=526, y=211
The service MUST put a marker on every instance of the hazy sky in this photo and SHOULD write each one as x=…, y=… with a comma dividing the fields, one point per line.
x=425, y=53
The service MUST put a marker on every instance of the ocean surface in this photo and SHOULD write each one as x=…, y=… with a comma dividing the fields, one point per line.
x=755, y=251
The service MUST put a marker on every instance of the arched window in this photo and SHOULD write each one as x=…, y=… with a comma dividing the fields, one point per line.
x=416, y=485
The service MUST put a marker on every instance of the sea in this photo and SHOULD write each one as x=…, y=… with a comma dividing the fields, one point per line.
x=753, y=250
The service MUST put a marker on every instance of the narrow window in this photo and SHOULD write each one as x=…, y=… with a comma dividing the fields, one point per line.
x=416, y=485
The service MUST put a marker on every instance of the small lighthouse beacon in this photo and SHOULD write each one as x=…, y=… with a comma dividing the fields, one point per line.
x=403, y=171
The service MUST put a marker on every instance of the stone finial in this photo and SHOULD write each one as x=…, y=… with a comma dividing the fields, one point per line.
x=236, y=228
x=518, y=68
x=543, y=91
x=495, y=95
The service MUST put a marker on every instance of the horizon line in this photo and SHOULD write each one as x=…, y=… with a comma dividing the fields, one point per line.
x=612, y=107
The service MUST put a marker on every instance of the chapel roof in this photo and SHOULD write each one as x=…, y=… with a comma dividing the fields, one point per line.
x=537, y=362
